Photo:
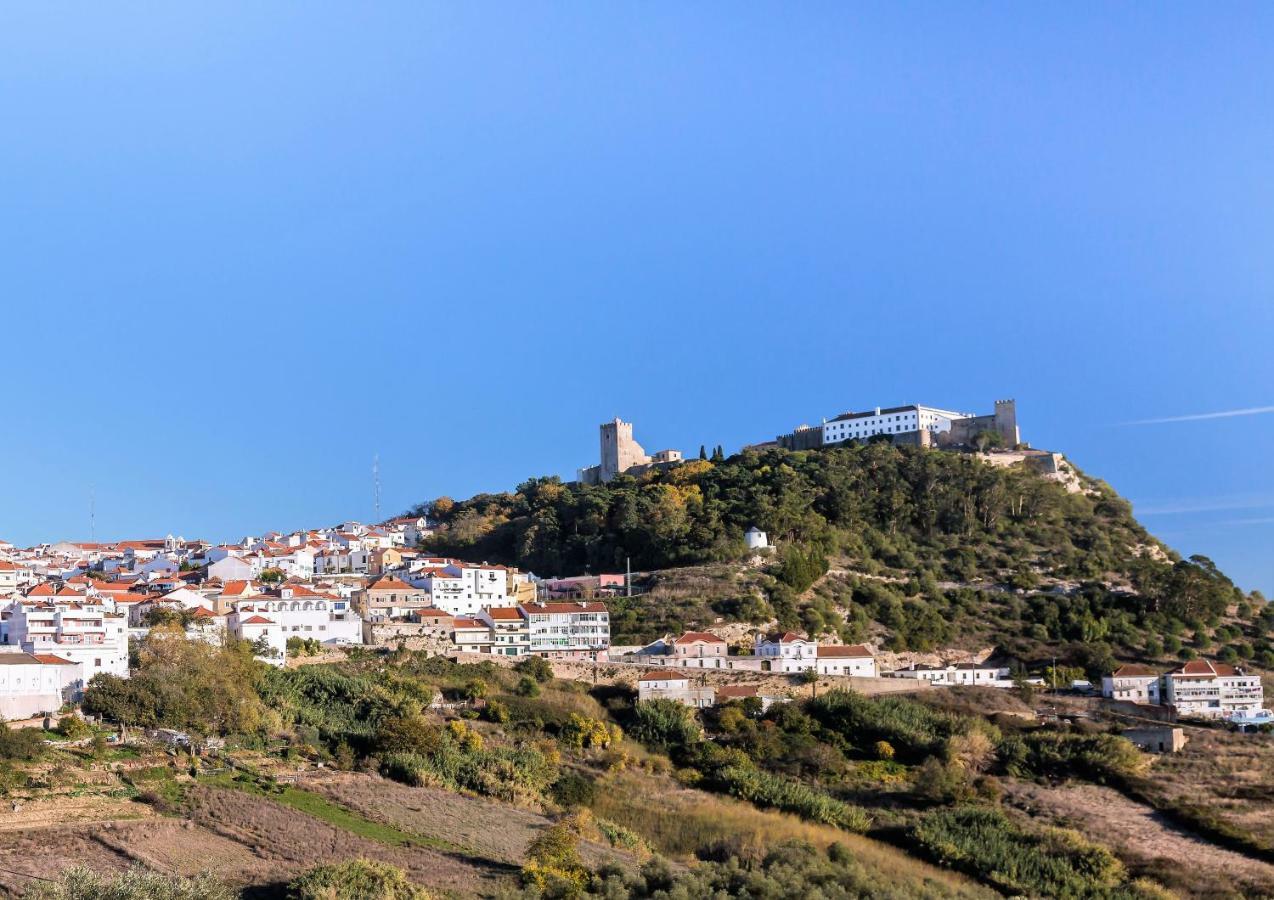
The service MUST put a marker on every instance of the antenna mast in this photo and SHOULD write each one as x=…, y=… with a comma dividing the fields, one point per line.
x=376, y=486
x=92, y=514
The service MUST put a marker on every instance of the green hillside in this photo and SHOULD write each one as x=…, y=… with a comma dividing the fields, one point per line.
x=919, y=548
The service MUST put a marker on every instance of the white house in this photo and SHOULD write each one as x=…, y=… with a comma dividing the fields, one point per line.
x=8, y=578
x=298, y=611
x=32, y=684
x=484, y=585
x=230, y=568
x=674, y=686
x=1133, y=684
x=786, y=652
x=471, y=635
x=756, y=539
x=985, y=674
x=855, y=659
x=253, y=627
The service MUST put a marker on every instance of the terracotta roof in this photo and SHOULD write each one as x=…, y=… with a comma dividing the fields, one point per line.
x=465, y=622
x=50, y=660
x=669, y=675
x=691, y=637
x=785, y=638
x=736, y=691
x=505, y=613
x=390, y=583
x=1133, y=670
x=1203, y=668
x=256, y=620
x=851, y=651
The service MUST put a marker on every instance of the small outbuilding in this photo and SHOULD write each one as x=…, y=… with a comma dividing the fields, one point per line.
x=1157, y=739
x=756, y=539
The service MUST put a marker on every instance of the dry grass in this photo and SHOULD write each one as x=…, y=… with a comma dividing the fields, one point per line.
x=482, y=828
x=677, y=822
x=1148, y=844
x=1230, y=774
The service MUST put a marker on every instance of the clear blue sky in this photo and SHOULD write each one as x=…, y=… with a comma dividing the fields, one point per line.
x=245, y=246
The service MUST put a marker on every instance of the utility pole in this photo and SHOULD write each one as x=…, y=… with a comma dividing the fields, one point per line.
x=628, y=576
x=376, y=486
x=92, y=514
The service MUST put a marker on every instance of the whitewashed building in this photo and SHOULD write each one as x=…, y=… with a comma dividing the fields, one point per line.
x=79, y=631
x=1214, y=690
x=568, y=630
x=1132, y=684
x=894, y=420
x=32, y=684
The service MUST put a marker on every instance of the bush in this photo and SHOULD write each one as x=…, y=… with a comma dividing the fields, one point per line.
x=792, y=796
x=73, y=728
x=573, y=789
x=137, y=883
x=986, y=844
x=665, y=724
x=359, y=879
x=536, y=667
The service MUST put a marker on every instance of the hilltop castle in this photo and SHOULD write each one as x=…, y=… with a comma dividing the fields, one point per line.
x=621, y=455
x=915, y=425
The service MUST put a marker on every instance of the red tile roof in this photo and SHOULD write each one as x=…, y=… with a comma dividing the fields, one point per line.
x=851, y=651
x=691, y=637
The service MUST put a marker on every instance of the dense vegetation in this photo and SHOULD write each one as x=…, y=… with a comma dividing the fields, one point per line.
x=932, y=549
x=901, y=508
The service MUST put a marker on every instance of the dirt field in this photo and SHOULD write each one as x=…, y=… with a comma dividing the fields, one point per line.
x=286, y=841
x=242, y=838
x=1149, y=845
x=488, y=830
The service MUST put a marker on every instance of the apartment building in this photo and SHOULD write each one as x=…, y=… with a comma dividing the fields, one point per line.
x=79, y=631
x=1215, y=690
x=568, y=630
x=510, y=631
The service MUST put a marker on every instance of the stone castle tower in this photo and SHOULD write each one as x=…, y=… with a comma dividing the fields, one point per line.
x=619, y=451
x=1006, y=422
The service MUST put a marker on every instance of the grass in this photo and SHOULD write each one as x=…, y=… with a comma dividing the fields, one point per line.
x=684, y=822
x=325, y=810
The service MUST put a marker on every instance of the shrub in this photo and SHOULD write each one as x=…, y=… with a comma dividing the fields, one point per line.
x=358, y=879
x=137, y=883
x=792, y=796
x=537, y=668
x=73, y=728
x=573, y=789
x=665, y=724
x=987, y=844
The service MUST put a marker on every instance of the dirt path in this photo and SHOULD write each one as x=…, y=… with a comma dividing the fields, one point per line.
x=1144, y=840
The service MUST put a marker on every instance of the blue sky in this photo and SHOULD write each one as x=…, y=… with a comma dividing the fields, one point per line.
x=244, y=247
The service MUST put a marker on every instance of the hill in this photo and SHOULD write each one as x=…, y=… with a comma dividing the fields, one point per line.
x=919, y=549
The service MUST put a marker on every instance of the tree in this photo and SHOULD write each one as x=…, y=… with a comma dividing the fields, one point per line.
x=271, y=576
x=537, y=667
x=703, y=453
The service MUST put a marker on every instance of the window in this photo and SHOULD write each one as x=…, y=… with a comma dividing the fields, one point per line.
x=97, y=663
